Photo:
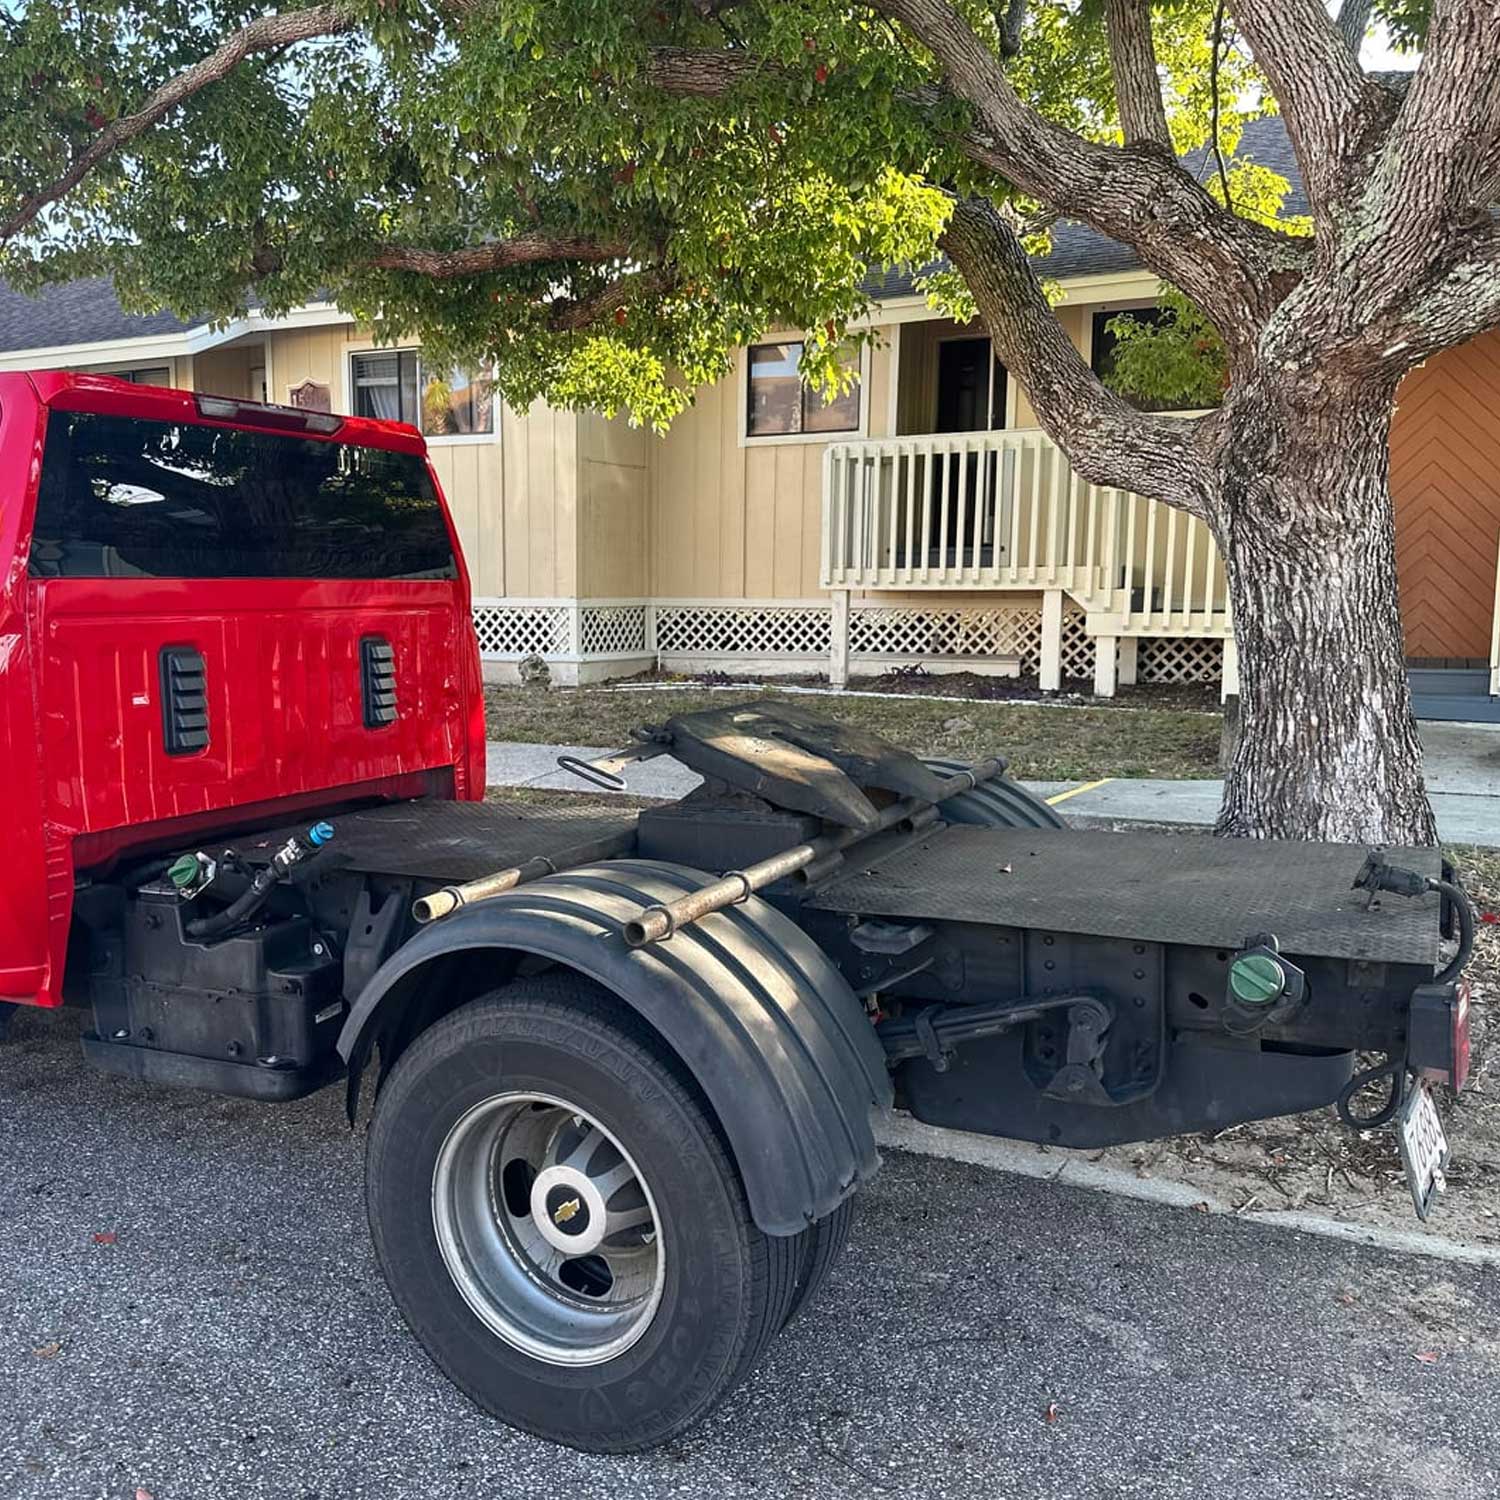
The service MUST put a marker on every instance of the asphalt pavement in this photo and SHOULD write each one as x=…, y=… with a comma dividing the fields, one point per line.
x=221, y=1330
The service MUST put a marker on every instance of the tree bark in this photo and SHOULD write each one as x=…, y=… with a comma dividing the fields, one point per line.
x=1132, y=62
x=1327, y=746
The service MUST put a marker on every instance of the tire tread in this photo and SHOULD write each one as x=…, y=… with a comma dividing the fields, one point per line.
x=542, y=1003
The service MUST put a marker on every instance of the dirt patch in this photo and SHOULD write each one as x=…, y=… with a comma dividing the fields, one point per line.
x=1194, y=697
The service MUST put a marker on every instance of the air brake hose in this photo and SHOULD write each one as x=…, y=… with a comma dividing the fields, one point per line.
x=1465, y=909
x=1378, y=874
x=292, y=853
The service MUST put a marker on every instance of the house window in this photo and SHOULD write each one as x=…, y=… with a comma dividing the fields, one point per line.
x=1105, y=342
x=397, y=386
x=780, y=403
x=147, y=375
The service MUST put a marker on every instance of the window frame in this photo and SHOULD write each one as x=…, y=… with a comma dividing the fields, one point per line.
x=1007, y=406
x=747, y=439
x=130, y=372
x=1096, y=317
x=437, y=439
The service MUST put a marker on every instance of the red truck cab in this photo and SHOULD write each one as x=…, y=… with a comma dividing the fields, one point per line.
x=214, y=614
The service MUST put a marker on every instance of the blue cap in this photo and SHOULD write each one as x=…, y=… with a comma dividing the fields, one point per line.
x=319, y=834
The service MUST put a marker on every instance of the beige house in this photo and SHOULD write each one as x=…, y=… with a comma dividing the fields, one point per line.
x=922, y=519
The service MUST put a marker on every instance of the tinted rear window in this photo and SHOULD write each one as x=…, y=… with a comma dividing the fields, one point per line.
x=121, y=497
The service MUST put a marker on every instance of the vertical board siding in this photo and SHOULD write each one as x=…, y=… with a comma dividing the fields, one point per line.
x=226, y=372
x=612, y=508
x=1445, y=481
x=730, y=520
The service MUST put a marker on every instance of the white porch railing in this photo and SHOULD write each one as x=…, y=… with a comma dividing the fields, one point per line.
x=1004, y=511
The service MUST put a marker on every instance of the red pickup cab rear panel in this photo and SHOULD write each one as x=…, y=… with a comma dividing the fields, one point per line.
x=283, y=677
x=81, y=719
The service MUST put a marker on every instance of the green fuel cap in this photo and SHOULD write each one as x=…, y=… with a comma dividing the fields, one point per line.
x=1256, y=979
x=184, y=870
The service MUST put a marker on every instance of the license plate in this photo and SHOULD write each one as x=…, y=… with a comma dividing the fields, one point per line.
x=1424, y=1147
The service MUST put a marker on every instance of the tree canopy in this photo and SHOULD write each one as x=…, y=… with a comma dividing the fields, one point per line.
x=602, y=199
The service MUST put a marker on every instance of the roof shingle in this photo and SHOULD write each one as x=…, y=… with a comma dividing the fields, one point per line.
x=76, y=312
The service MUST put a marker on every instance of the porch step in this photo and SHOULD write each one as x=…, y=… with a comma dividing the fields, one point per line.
x=1459, y=709
x=1455, y=694
x=1450, y=682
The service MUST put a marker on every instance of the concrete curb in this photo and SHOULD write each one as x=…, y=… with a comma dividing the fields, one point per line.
x=902, y=1133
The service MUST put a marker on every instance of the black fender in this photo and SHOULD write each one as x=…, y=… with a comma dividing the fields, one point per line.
x=997, y=803
x=766, y=1024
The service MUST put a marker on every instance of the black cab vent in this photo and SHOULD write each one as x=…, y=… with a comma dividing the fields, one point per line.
x=184, y=700
x=377, y=673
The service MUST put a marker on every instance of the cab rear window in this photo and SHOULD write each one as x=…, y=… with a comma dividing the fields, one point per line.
x=122, y=497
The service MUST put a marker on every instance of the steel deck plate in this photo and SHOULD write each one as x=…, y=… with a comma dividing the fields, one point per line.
x=1168, y=888
x=453, y=841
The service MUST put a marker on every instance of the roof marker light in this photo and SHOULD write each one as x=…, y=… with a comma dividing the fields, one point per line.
x=263, y=414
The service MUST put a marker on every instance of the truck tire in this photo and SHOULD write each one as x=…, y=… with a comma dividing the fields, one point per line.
x=823, y=1244
x=561, y=1224
x=999, y=803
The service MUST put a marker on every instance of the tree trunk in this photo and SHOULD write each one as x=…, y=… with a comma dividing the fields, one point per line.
x=1328, y=748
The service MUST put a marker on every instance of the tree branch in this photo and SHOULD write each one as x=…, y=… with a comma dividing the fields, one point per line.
x=267, y=34
x=1457, y=301
x=1439, y=158
x=1328, y=103
x=1107, y=441
x=705, y=72
x=498, y=255
x=1236, y=271
x=1132, y=62
x=1215, y=111
x=1353, y=22
x=574, y=314
x=1011, y=20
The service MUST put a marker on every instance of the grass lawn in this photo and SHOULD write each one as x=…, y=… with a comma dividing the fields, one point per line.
x=1041, y=743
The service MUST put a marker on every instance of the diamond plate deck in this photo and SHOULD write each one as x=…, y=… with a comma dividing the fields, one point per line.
x=453, y=841
x=1168, y=888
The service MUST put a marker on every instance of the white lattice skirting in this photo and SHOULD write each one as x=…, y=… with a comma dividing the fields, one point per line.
x=755, y=629
x=1180, y=659
x=913, y=632
x=797, y=635
x=511, y=629
x=561, y=629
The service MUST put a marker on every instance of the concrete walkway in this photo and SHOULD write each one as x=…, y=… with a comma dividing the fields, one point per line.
x=1463, y=780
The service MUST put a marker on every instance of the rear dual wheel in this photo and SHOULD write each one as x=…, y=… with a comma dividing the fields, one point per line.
x=562, y=1226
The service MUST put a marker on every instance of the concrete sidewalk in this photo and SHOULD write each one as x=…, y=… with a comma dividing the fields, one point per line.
x=1462, y=763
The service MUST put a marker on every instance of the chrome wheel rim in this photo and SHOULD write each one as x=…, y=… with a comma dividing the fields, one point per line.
x=548, y=1229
